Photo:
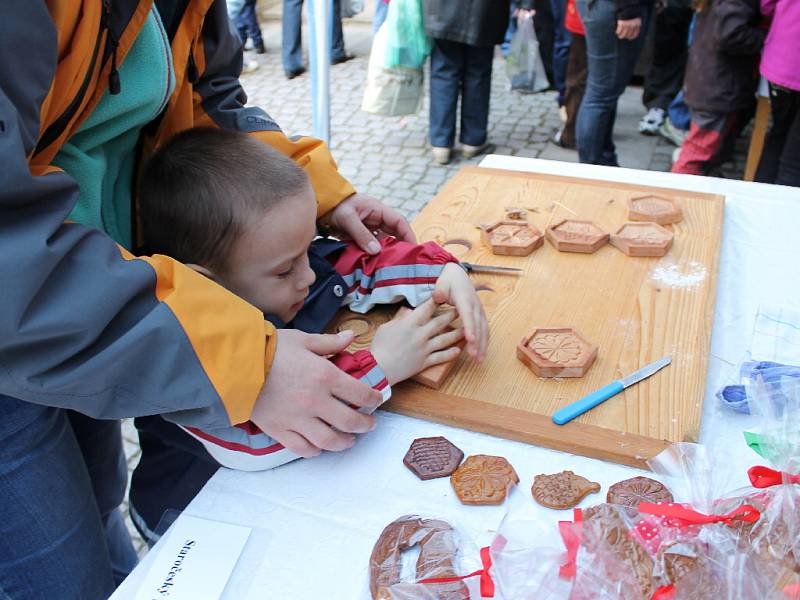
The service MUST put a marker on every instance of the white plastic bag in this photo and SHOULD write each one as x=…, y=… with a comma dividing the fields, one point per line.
x=524, y=63
x=390, y=92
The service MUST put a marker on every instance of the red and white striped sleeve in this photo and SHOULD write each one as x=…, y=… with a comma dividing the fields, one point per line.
x=400, y=271
x=245, y=447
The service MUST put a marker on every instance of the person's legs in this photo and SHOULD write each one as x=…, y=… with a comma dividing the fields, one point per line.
x=249, y=21
x=101, y=446
x=545, y=33
x=575, y=87
x=476, y=87
x=52, y=543
x=447, y=67
x=670, y=53
x=701, y=148
x=780, y=160
x=292, y=44
x=561, y=44
x=338, y=53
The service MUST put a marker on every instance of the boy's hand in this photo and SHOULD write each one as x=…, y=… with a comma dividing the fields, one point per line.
x=414, y=341
x=455, y=288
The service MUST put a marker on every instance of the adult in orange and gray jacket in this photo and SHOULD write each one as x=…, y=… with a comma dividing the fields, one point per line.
x=87, y=326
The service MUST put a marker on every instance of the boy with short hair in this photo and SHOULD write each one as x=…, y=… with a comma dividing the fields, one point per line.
x=242, y=214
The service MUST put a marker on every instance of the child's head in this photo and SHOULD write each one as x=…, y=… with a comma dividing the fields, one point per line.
x=235, y=210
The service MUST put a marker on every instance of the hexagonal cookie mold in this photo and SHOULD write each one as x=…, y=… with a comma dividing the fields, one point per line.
x=642, y=239
x=656, y=209
x=557, y=352
x=512, y=238
x=571, y=235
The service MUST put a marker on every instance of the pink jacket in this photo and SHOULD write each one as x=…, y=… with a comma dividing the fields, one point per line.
x=780, y=62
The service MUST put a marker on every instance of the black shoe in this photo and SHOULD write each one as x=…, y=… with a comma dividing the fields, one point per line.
x=260, y=49
x=295, y=72
x=342, y=59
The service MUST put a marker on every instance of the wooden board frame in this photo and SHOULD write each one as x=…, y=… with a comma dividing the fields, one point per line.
x=650, y=424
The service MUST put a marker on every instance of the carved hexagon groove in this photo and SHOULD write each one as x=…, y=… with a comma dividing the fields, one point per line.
x=571, y=235
x=642, y=239
x=512, y=238
x=557, y=352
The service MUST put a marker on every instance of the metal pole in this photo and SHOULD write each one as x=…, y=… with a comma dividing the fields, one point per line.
x=320, y=17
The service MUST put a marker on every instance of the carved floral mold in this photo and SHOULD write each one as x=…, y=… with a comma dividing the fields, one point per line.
x=512, y=238
x=557, y=352
x=570, y=235
x=642, y=239
x=654, y=208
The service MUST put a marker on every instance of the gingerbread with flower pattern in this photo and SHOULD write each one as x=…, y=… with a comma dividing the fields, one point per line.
x=483, y=479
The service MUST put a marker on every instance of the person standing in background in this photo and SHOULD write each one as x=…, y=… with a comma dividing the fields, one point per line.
x=292, y=41
x=780, y=65
x=615, y=32
x=464, y=36
x=576, y=76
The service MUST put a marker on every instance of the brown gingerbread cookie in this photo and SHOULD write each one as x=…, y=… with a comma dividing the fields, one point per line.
x=562, y=490
x=436, y=557
x=631, y=492
x=687, y=567
x=432, y=457
x=483, y=479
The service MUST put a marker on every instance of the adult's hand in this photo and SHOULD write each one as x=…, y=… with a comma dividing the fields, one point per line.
x=359, y=215
x=302, y=404
x=629, y=29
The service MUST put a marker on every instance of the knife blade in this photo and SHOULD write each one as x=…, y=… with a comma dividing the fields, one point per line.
x=576, y=409
x=473, y=268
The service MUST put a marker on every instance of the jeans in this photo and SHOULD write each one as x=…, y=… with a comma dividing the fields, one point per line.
x=780, y=162
x=246, y=23
x=561, y=43
x=62, y=479
x=292, y=43
x=465, y=70
x=611, y=62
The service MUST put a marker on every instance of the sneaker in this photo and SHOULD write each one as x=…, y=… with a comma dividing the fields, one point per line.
x=249, y=65
x=651, y=121
x=562, y=113
x=468, y=151
x=260, y=49
x=558, y=140
x=441, y=155
x=295, y=72
x=671, y=133
x=248, y=45
x=342, y=59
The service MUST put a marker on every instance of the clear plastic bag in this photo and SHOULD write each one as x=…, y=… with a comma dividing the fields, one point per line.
x=407, y=45
x=390, y=92
x=524, y=62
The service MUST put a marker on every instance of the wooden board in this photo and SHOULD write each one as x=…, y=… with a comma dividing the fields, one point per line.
x=637, y=310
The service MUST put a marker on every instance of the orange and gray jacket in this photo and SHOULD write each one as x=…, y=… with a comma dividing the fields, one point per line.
x=84, y=324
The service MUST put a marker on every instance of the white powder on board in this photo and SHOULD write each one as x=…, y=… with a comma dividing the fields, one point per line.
x=680, y=276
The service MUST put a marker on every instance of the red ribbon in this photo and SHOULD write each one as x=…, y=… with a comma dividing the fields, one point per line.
x=487, y=584
x=681, y=516
x=762, y=477
x=570, y=534
x=664, y=592
x=792, y=591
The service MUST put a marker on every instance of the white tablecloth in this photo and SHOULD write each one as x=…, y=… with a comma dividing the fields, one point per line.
x=315, y=521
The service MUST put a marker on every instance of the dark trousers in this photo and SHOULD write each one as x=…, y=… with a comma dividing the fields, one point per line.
x=292, y=42
x=62, y=479
x=575, y=87
x=561, y=45
x=247, y=23
x=545, y=27
x=780, y=162
x=670, y=53
x=459, y=70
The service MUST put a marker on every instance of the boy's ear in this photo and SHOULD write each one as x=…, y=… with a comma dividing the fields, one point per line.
x=203, y=271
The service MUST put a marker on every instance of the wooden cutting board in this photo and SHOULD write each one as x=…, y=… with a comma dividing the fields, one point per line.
x=636, y=309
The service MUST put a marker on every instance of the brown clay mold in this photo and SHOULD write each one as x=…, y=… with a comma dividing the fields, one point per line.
x=557, y=352
x=571, y=235
x=642, y=239
x=654, y=208
x=512, y=238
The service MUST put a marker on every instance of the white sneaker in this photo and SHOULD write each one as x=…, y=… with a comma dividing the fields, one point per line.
x=669, y=132
x=562, y=113
x=441, y=155
x=651, y=121
x=249, y=66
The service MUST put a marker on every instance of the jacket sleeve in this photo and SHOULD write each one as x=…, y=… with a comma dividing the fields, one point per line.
x=736, y=30
x=246, y=448
x=628, y=9
x=400, y=271
x=220, y=101
x=83, y=324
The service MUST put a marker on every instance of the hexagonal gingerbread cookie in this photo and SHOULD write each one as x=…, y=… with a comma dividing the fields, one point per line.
x=432, y=457
x=557, y=352
x=654, y=208
x=571, y=235
x=512, y=238
x=483, y=479
x=642, y=239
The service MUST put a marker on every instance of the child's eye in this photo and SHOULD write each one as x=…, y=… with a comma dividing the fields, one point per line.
x=286, y=273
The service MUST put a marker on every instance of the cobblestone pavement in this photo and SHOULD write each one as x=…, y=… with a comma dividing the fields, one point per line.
x=390, y=158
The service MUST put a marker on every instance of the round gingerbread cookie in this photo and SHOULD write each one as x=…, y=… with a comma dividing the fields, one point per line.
x=631, y=492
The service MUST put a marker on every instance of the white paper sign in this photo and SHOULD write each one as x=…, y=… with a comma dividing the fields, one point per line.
x=195, y=561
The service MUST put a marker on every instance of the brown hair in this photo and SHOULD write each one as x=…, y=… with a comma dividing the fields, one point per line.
x=199, y=190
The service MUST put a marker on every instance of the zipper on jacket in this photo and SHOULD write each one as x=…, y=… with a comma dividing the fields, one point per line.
x=57, y=127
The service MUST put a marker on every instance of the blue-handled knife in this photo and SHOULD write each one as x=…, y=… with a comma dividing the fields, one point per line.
x=576, y=409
